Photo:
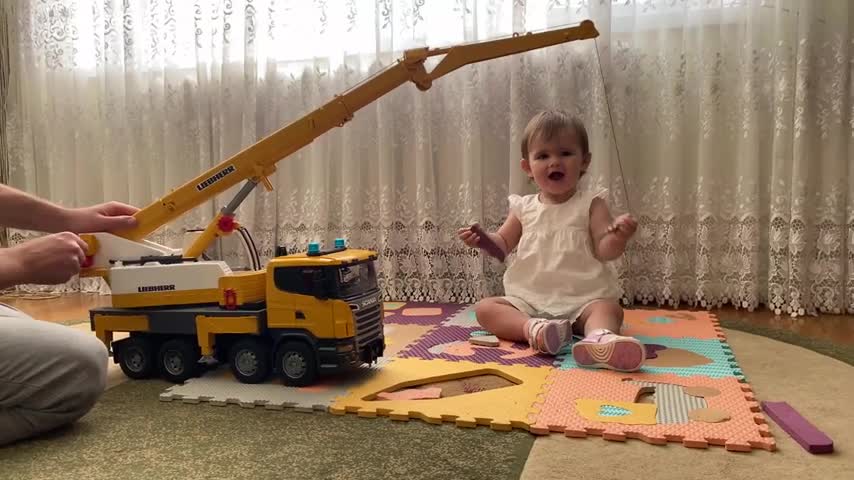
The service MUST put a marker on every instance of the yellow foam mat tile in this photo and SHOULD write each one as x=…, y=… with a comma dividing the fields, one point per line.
x=500, y=409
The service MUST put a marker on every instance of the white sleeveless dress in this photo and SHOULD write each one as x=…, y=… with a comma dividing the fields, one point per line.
x=553, y=273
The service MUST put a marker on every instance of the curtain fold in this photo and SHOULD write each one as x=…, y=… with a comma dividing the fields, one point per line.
x=725, y=126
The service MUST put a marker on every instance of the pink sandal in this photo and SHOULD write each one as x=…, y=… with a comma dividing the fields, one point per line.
x=545, y=336
x=605, y=349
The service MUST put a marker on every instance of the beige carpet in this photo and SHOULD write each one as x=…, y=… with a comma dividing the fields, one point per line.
x=819, y=387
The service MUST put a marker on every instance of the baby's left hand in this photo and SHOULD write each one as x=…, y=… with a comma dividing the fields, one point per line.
x=624, y=226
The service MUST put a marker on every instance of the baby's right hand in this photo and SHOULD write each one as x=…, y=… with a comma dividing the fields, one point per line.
x=468, y=237
x=477, y=237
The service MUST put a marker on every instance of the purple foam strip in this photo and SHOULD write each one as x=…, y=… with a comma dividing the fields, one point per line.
x=804, y=432
x=397, y=316
x=449, y=334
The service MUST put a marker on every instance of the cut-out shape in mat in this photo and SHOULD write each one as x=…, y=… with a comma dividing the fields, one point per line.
x=500, y=408
x=452, y=343
x=665, y=323
x=717, y=355
x=428, y=393
x=424, y=313
x=465, y=385
x=607, y=411
x=220, y=388
x=673, y=405
x=744, y=431
x=612, y=411
x=393, y=305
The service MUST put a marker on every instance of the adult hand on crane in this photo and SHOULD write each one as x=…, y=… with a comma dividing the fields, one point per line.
x=58, y=256
x=104, y=217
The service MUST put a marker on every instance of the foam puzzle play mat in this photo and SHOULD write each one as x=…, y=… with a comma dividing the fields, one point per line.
x=439, y=366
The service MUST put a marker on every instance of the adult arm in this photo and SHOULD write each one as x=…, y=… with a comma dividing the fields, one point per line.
x=27, y=212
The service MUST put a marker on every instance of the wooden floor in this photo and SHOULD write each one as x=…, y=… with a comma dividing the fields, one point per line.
x=836, y=329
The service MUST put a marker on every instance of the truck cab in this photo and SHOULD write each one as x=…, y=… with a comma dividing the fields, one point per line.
x=324, y=312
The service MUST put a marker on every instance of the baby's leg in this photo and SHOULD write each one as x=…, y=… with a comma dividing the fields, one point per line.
x=505, y=320
x=602, y=345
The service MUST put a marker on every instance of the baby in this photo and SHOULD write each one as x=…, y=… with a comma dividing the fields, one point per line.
x=559, y=284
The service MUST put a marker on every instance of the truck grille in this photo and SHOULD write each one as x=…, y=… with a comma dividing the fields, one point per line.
x=368, y=324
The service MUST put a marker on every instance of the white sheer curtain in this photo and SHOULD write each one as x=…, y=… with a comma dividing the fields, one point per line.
x=734, y=124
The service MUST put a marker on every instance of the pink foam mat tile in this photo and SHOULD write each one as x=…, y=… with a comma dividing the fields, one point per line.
x=558, y=409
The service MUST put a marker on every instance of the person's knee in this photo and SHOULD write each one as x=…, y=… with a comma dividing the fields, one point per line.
x=487, y=310
x=87, y=359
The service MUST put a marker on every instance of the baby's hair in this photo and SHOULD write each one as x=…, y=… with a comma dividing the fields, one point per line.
x=549, y=123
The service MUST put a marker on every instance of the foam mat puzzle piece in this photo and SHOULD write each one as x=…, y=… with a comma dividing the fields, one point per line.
x=501, y=409
x=674, y=324
x=220, y=388
x=674, y=405
x=465, y=318
x=399, y=336
x=452, y=343
x=610, y=411
x=723, y=362
x=424, y=313
x=393, y=305
x=746, y=430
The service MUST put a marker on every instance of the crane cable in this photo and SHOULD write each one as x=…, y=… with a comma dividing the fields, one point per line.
x=611, y=123
x=616, y=144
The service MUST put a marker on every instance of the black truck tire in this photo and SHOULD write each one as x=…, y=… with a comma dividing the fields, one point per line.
x=135, y=356
x=249, y=359
x=178, y=360
x=296, y=363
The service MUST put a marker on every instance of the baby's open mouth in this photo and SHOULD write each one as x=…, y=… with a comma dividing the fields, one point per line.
x=555, y=176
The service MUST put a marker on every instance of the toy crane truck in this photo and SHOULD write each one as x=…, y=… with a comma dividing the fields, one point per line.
x=302, y=315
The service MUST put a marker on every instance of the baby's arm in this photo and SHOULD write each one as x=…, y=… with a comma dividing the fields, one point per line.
x=609, y=236
x=504, y=240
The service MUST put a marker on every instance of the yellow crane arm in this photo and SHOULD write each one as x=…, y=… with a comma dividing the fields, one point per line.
x=258, y=161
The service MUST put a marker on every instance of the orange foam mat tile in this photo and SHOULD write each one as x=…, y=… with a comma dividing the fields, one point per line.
x=668, y=323
x=733, y=417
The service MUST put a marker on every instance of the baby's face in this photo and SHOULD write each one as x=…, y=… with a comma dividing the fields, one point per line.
x=556, y=164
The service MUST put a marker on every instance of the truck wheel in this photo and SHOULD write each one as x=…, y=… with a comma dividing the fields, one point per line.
x=250, y=360
x=178, y=360
x=296, y=364
x=135, y=356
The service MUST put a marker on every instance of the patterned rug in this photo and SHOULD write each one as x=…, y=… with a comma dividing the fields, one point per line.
x=690, y=391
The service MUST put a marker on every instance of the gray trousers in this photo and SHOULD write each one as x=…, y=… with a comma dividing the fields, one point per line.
x=50, y=375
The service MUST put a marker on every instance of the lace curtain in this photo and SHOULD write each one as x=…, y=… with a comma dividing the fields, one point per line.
x=733, y=124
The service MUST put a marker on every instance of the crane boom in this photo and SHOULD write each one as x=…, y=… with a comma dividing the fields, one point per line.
x=259, y=160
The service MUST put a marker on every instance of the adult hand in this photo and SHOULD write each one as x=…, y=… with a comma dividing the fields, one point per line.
x=48, y=260
x=105, y=217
